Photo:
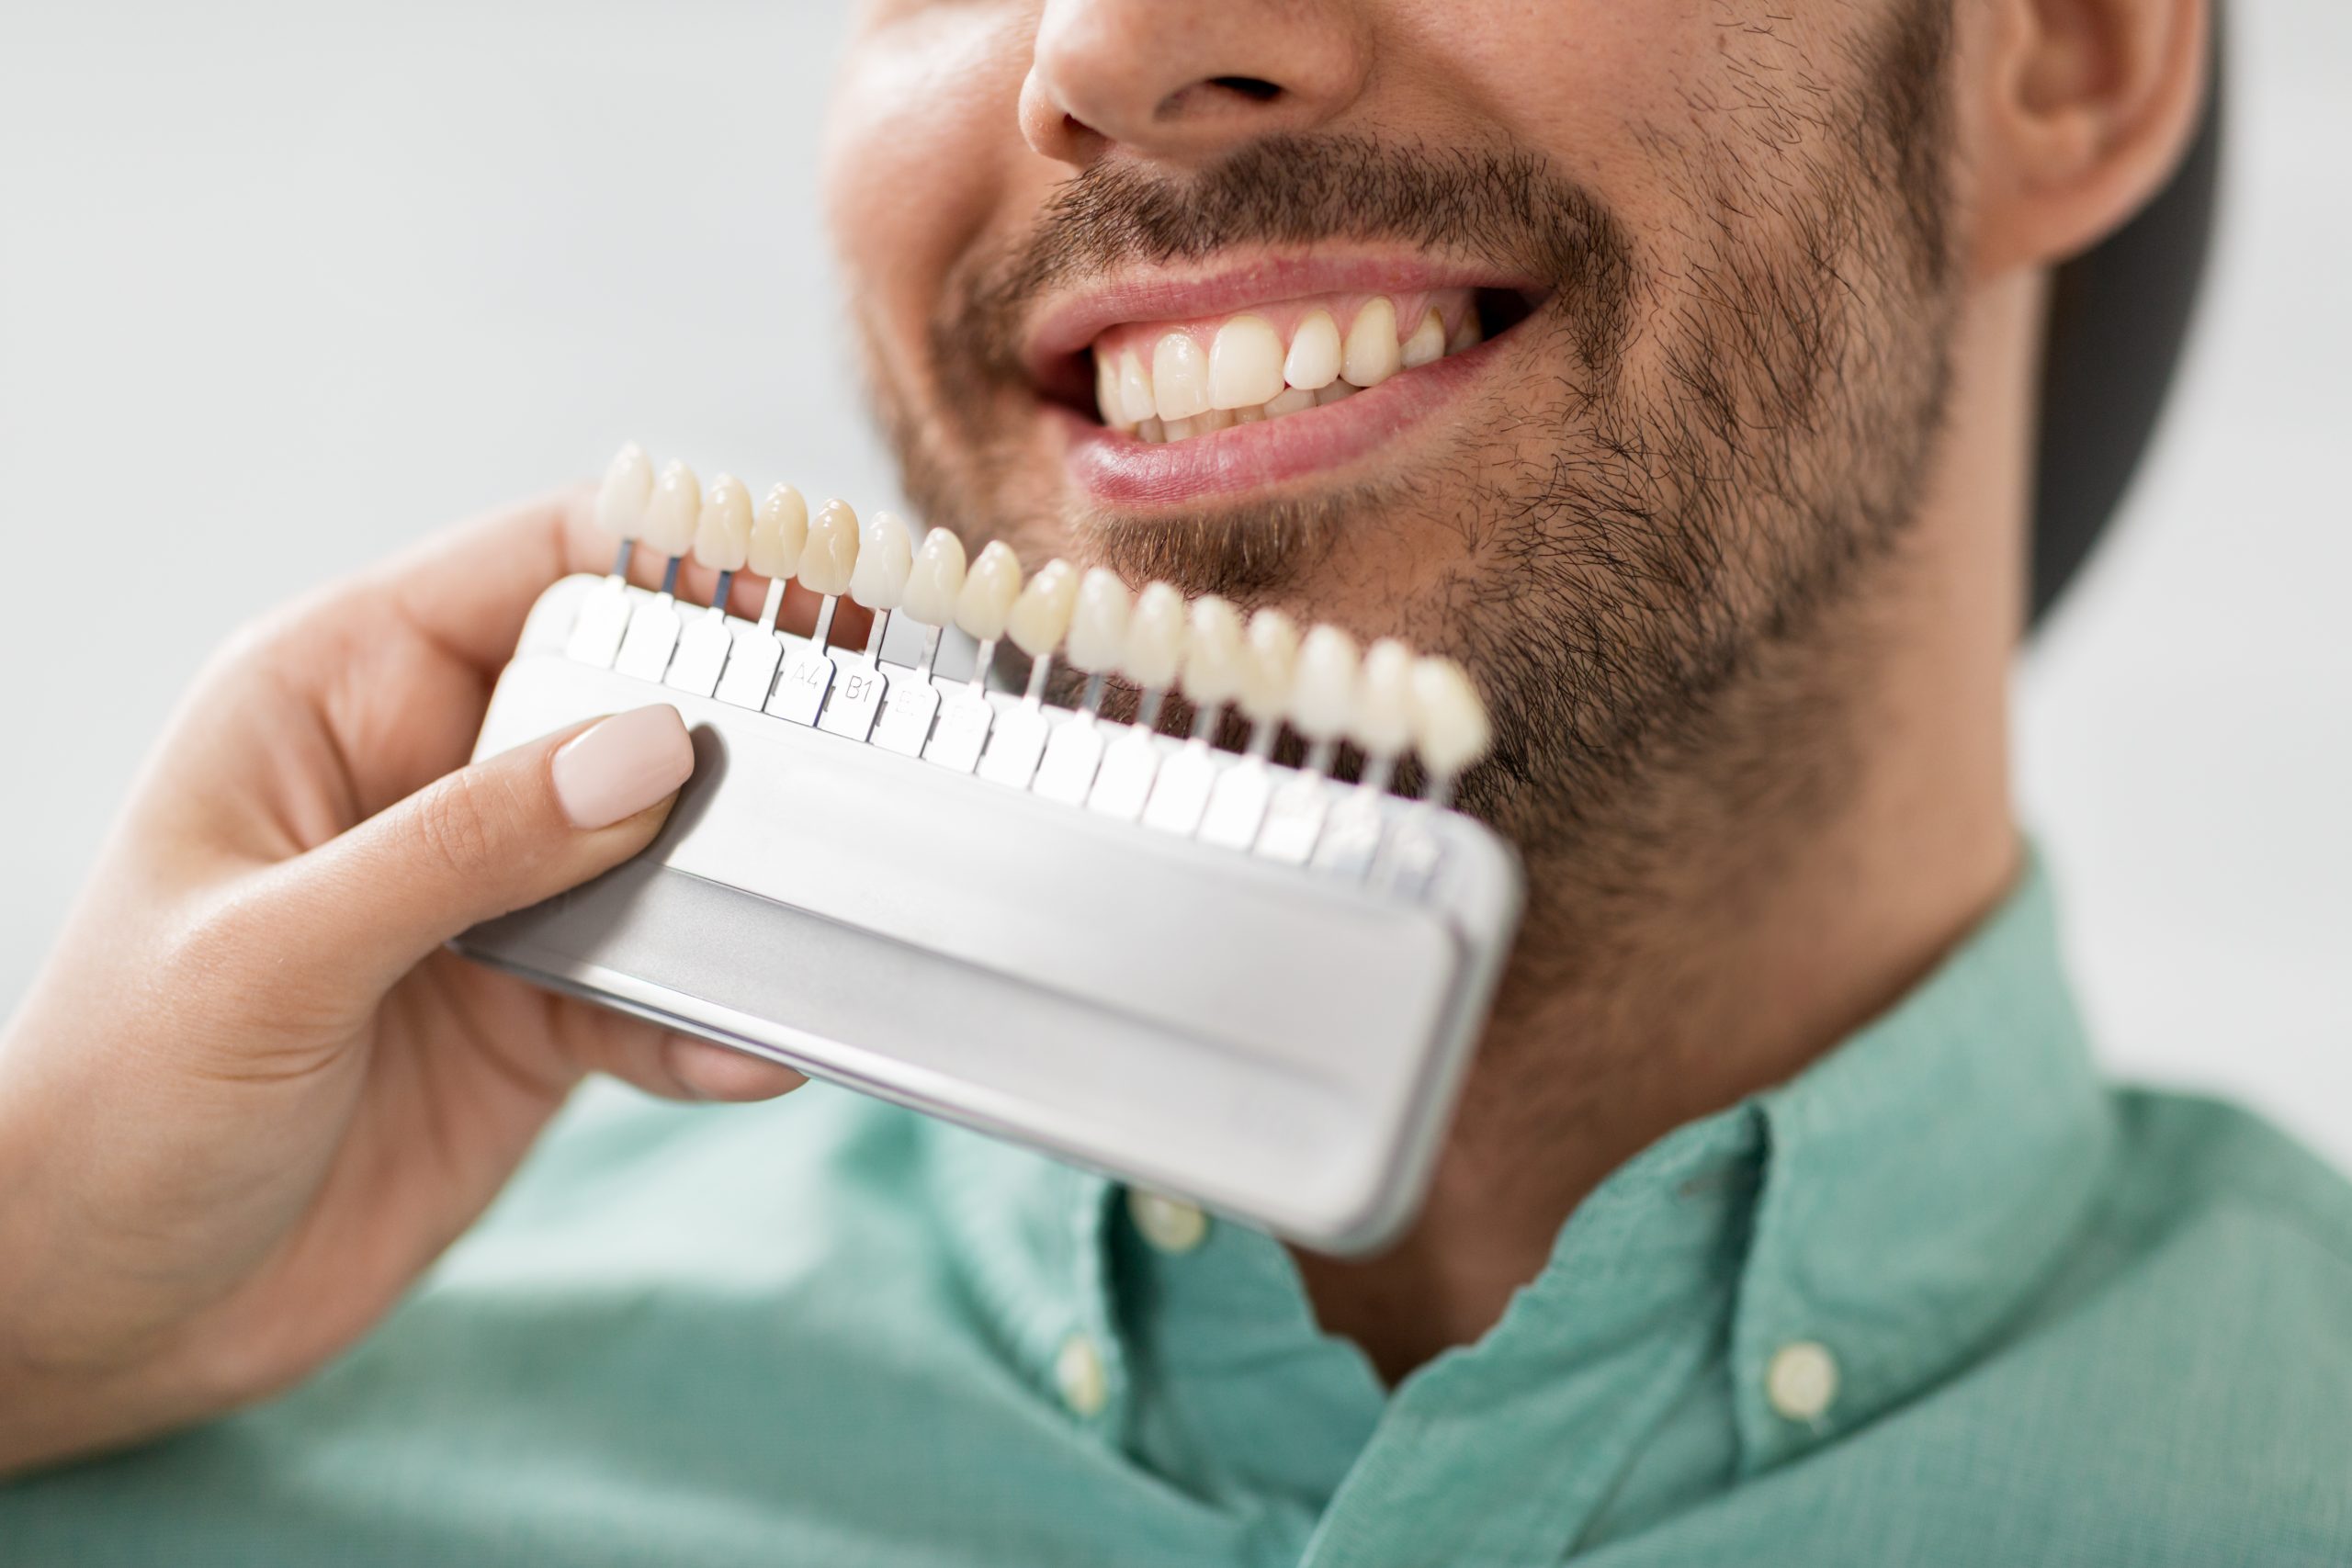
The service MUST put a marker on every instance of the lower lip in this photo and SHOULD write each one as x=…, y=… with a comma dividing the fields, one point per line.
x=1116, y=468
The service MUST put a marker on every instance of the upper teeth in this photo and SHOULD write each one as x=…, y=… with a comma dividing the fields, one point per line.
x=1169, y=383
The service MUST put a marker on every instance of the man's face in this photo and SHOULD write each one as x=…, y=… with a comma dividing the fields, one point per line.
x=1692, y=291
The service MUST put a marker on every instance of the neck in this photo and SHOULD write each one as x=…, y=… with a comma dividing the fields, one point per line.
x=1752, y=943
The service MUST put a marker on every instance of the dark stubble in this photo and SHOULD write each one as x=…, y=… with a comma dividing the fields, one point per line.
x=1735, y=433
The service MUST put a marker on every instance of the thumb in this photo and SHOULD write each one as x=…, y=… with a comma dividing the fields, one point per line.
x=504, y=832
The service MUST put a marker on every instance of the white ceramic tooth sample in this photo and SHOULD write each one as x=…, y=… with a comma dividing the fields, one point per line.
x=830, y=558
x=1384, y=716
x=1154, y=638
x=1098, y=622
x=1214, y=649
x=1290, y=400
x=779, y=532
x=1136, y=404
x=1371, y=355
x=937, y=579
x=885, y=556
x=1323, y=689
x=621, y=499
x=1427, y=344
x=1179, y=376
x=1245, y=363
x=1041, y=614
x=1450, y=727
x=676, y=510
x=723, y=535
x=1314, y=360
x=990, y=588
x=1268, y=664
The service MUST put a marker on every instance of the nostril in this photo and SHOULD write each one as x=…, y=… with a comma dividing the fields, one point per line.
x=1254, y=88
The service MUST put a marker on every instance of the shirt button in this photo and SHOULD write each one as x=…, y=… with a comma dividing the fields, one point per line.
x=1167, y=1223
x=1802, y=1380
x=1078, y=1372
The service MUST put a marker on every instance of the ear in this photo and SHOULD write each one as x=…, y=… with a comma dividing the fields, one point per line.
x=2084, y=109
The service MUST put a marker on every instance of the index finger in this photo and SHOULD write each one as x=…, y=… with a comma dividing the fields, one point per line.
x=470, y=587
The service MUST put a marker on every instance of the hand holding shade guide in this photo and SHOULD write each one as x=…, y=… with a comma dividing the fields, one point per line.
x=1208, y=972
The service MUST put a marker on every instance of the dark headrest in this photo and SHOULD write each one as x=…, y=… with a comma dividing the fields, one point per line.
x=2118, y=314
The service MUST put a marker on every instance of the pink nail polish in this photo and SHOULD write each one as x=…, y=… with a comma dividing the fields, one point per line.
x=618, y=766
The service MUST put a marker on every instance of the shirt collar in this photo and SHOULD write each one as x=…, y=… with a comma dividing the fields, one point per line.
x=1894, y=1203
x=1921, y=1178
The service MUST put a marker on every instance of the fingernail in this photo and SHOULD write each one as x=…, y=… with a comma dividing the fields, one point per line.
x=618, y=766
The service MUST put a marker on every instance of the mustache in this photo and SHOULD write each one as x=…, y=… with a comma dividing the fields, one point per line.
x=1510, y=209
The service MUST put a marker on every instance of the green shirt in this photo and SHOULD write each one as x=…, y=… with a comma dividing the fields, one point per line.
x=1945, y=1299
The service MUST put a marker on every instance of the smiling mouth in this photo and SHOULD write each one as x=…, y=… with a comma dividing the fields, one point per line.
x=1175, y=380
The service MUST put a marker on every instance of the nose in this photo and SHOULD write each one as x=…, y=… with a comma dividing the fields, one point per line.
x=1185, y=80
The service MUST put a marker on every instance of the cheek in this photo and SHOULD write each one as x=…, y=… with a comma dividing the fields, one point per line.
x=920, y=137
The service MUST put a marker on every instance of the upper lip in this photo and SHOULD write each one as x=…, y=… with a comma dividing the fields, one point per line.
x=1069, y=322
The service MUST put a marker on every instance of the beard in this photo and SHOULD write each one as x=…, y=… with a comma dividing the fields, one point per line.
x=1644, y=551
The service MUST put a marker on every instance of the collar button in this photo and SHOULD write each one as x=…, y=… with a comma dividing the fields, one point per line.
x=1802, y=1380
x=1169, y=1225
x=1080, y=1378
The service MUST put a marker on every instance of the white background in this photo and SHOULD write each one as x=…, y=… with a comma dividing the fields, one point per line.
x=283, y=285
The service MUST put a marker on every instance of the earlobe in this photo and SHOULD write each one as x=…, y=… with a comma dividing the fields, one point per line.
x=2086, y=107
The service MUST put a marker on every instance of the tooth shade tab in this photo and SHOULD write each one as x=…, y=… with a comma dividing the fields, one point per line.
x=1098, y=623
x=990, y=586
x=1383, y=716
x=1323, y=690
x=1214, y=649
x=830, y=558
x=723, y=536
x=936, y=580
x=1268, y=667
x=1370, y=353
x=1041, y=614
x=1450, y=727
x=1154, y=638
x=674, y=510
x=627, y=486
x=885, y=556
x=1426, y=345
x=1245, y=364
x=779, y=532
x=1312, y=363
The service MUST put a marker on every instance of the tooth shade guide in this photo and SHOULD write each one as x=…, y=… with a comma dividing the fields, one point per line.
x=966, y=718
x=865, y=899
x=652, y=635
x=602, y=625
x=984, y=604
x=1017, y=737
x=1188, y=788
x=806, y=679
x=910, y=707
x=1295, y=814
x=1073, y=752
